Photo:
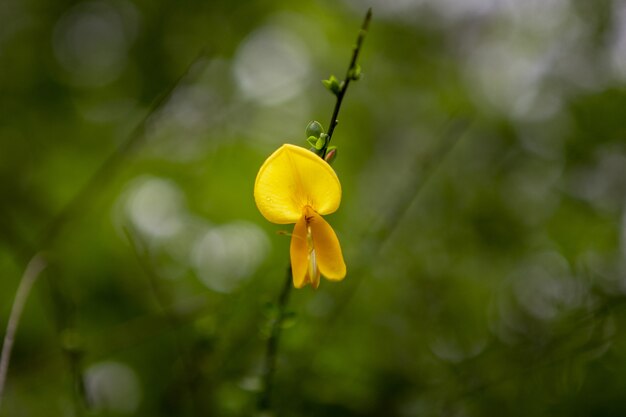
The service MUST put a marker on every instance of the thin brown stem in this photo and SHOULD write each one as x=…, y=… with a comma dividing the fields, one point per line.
x=269, y=364
x=34, y=268
x=112, y=163
x=143, y=257
x=346, y=82
x=84, y=197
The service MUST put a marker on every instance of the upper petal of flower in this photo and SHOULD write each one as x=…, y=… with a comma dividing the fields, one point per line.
x=291, y=179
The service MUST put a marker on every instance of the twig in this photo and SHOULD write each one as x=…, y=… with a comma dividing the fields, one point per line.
x=84, y=196
x=374, y=240
x=269, y=365
x=349, y=77
x=109, y=165
x=380, y=235
x=36, y=265
x=142, y=254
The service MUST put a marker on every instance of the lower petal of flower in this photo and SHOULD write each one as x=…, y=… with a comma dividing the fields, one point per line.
x=329, y=258
x=299, y=254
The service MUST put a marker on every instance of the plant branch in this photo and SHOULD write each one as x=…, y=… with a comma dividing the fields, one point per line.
x=34, y=268
x=84, y=197
x=104, y=172
x=141, y=252
x=377, y=236
x=269, y=364
x=349, y=77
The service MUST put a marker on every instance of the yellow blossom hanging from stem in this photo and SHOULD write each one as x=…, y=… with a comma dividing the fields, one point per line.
x=298, y=186
x=294, y=185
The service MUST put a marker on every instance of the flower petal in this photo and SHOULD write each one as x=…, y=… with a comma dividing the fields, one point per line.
x=327, y=248
x=291, y=179
x=313, y=272
x=298, y=252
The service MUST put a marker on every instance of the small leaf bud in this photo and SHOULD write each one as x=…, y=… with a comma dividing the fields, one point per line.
x=331, y=154
x=319, y=145
x=332, y=84
x=355, y=73
x=314, y=129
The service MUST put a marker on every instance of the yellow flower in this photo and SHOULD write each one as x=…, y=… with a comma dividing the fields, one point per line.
x=296, y=186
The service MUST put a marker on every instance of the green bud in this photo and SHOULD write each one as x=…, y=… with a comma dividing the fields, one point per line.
x=319, y=145
x=331, y=154
x=355, y=73
x=332, y=84
x=314, y=129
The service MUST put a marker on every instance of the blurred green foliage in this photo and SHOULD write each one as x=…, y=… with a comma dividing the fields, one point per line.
x=483, y=165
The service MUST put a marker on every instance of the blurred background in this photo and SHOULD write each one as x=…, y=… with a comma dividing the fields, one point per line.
x=483, y=164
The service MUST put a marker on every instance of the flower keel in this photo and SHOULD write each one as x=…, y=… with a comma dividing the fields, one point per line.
x=315, y=251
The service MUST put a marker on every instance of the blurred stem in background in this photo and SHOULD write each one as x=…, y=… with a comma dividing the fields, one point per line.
x=141, y=251
x=34, y=268
x=61, y=303
x=269, y=366
x=353, y=73
x=339, y=90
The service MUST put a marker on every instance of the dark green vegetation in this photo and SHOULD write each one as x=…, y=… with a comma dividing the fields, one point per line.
x=483, y=162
